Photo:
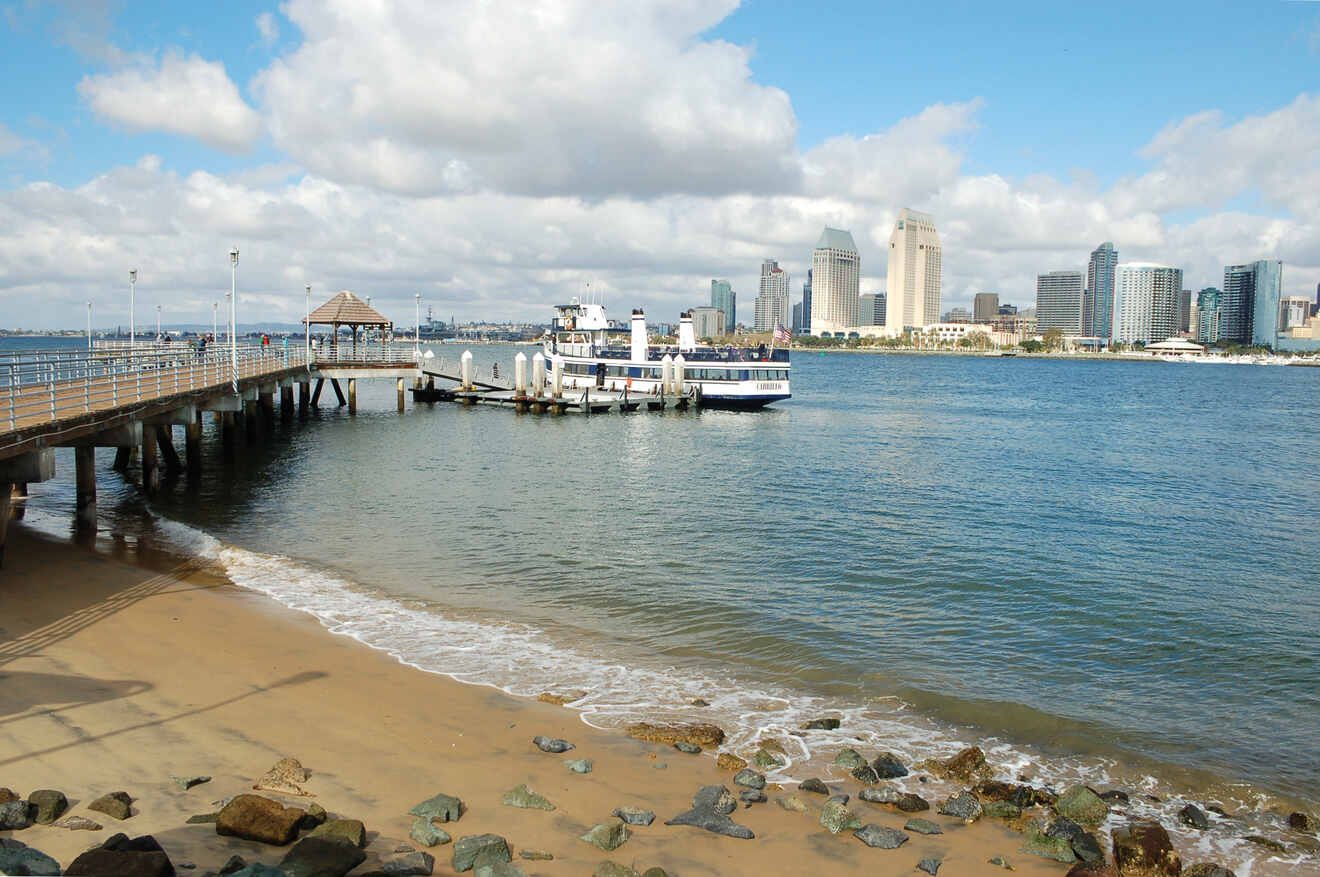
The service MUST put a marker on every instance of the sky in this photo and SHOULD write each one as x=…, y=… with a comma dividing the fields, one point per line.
x=497, y=156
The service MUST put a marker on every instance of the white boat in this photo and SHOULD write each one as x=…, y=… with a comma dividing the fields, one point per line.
x=594, y=352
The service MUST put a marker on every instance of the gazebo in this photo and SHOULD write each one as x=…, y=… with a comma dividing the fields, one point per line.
x=346, y=309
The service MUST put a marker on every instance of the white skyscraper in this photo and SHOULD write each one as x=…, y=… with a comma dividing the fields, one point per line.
x=915, y=271
x=1145, y=302
x=835, y=274
x=773, y=305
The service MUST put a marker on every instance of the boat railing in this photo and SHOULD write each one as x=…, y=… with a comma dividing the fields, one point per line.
x=700, y=354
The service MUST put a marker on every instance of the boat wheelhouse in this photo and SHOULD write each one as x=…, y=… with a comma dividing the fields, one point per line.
x=592, y=351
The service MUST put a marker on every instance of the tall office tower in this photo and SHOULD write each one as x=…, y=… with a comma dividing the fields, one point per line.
x=723, y=297
x=1293, y=311
x=985, y=307
x=806, y=303
x=1059, y=302
x=835, y=272
x=1249, y=309
x=707, y=322
x=866, y=310
x=1184, y=311
x=958, y=315
x=881, y=307
x=1099, y=305
x=1145, y=302
x=1207, y=315
x=1316, y=308
x=1007, y=310
x=915, y=271
x=772, y=302
x=797, y=319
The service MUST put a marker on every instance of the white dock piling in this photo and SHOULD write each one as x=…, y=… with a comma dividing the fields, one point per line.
x=520, y=374
x=538, y=375
x=679, y=364
x=557, y=378
x=666, y=375
x=465, y=369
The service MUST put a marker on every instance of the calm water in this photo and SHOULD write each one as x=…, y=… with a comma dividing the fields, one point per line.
x=1106, y=570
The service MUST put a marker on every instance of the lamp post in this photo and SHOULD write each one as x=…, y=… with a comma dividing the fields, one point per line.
x=233, y=317
x=215, y=313
x=307, y=328
x=132, y=292
x=89, y=326
x=417, y=326
x=158, y=336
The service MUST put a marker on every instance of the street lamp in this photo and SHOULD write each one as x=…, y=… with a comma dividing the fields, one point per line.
x=215, y=312
x=132, y=292
x=158, y=336
x=89, y=326
x=233, y=317
x=417, y=327
x=307, y=328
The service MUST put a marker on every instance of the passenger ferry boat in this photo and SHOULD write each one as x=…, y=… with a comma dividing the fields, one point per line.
x=594, y=352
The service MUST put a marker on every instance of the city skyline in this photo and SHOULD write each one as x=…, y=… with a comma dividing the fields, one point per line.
x=156, y=138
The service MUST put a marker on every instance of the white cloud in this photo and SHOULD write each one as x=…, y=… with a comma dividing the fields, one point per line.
x=184, y=95
x=268, y=28
x=556, y=97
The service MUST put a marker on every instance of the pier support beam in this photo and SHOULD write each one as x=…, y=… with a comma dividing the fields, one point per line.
x=352, y=395
x=150, y=464
x=400, y=383
x=228, y=437
x=251, y=420
x=123, y=456
x=192, y=447
x=316, y=397
x=84, y=464
x=6, y=500
x=304, y=396
x=334, y=383
x=286, y=402
x=165, y=442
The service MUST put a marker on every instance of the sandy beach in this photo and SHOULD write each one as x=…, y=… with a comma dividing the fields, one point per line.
x=115, y=676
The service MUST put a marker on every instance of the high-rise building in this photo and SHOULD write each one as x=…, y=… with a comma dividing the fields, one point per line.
x=806, y=303
x=708, y=322
x=797, y=319
x=867, y=310
x=1098, y=307
x=1059, y=301
x=1207, y=315
x=1316, y=309
x=1145, y=302
x=723, y=297
x=1007, y=310
x=1184, y=311
x=985, y=307
x=835, y=273
x=1293, y=311
x=915, y=271
x=958, y=315
x=1249, y=311
x=772, y=302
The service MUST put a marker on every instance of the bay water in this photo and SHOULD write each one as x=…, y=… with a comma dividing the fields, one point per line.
x=1099, y=571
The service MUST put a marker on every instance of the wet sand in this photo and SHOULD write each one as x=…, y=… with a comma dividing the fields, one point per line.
x=116, y=676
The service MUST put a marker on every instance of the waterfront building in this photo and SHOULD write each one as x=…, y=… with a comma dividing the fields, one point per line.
x=708, y=322
x=1059, y=302
x=1099, y=304
x=1007, y=310
x=958, y=315
x=806, y=303
x=772, y=302
x=835, y=274
x=1184, y=311
x=1207, y=315
x=915, y=271
x=722, y=296
x=1293, y=311
x=796, y=328
x=1145, y=302
x=871, y=309
x=1249, y=310
x=985, y=307
x=1015, y=324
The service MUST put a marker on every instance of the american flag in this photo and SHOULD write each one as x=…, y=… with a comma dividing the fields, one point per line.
x=781, y=335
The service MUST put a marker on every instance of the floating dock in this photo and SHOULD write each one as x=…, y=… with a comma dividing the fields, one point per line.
x=589, y=400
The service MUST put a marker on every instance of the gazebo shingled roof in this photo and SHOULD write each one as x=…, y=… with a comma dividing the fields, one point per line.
x=346, y=309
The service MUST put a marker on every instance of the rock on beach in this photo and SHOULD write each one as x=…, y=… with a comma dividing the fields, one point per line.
x=138, y=857
x=551, y=744
x=1082, y=806
x=321, y=857
x=490, y=847
x=697, y=733
x=440, y=808
x=252, y=817
x=1142, y=849
x=881, y=837
x=607, y=836
x=115, y=804
x=17, y=857
x=48, y=805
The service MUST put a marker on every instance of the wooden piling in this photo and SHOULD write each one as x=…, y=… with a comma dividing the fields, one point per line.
x=286, y=402
x=6, y=500
x=334, y=384
x=150, y=464
x=123, y=456
x=165, y=442
x=228, y=438
x=316, y=397
x=352, y=395
x=84, y=464
x=304, y=395
x=400, y=387
x=192, y=447
x=251, y=421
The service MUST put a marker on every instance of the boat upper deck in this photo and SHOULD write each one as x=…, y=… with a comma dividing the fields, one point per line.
x=655, y=354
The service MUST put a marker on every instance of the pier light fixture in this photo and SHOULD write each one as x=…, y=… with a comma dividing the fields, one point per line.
x=215, y=314
x=132, y=292
x=158, y=335
x=89, y=325
x=417, y=324
x=307, y=328
x=233, y=318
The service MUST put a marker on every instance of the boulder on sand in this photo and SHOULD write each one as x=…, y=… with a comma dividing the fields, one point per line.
x=881, y=837
x=698, y=733
x=321, y=857
x=17, y=857
x=138, y=857
x=115, y=804
x=441, y=808
x=887, y=766
x=607, y=836
x=1082, y=806
x=728, y=761
x=49, y=804
x=521, y=796
x=253, y=817
x=965, y=764
x=1142, y=849
x=489, y=847
x=553, y=745
x=710, y=807
x=286, y=775
x=964, y=806
x=15, y=815
x=344, y=831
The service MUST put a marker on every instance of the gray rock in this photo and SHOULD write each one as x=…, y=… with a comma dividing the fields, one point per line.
x=749, y=778
x=815, y=786
x=1087, y=848
x=441, y=808
x=256, y=869
x=203, y=819
x=716, y=798
x=1037, y=843
x=346, y=831
x=552, y=744
x=888, y=767
x=124, y=857
x=1001, y=810
x=866, y=774
x=607, y=836
x=922, y=826
x=521, y=796
x=849, y=759
x=821, y=725
x=1191, y=816
x=17, y=857
x=15, y=816
x=490, y=847
x=766, y=759
x=841, y=798
x=321, y=857
x=425, y=832
x=881, y=795
x=314, y=816
x=536, y=855
x=187, y=783
x=49, y=805
x=634, y=815
x=1001, y=862
x=1064, y=829
x=1082, y=806
x=495, y=868
x=414, y=864
x=881, y=837
x=613, y=869
x=836, y=818
x=792, y=803
x=910, y=803
x=964, y=805
x=579, y=765
x=115, y=804
x=689, y=748
x=80, y=823
x=930, y=866
x=752, y=796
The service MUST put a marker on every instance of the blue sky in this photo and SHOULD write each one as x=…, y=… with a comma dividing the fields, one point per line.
x=1020, y=126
